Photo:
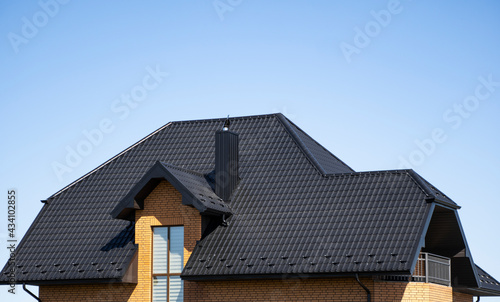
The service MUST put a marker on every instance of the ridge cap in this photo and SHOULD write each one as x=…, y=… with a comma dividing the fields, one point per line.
x=300, y=144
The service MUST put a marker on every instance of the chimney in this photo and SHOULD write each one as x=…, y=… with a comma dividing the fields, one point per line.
x=226, y=162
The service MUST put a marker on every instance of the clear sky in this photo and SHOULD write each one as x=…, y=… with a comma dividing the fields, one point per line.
x=381, y=84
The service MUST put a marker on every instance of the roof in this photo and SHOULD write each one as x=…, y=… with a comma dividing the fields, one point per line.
x=487, y=284
x=298, y=209
x=296, y=223
x=193, y=186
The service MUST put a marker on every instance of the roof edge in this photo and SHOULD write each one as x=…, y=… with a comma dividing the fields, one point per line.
x=423, y=233
x=431, y=196
x=110, y=160
x=66, y=281
x=288, y=276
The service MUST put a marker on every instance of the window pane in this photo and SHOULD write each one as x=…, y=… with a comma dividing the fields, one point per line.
x=160, y=246
x=160, y=288
x=176, y=289
x=176, y=249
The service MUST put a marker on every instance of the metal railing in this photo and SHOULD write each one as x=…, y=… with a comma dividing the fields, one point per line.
x=430, y=268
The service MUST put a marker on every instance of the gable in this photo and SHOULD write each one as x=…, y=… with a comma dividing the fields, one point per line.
x=445, y=237
x=194, y=187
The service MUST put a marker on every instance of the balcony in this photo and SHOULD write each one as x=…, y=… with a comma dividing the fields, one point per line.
x=430, y=268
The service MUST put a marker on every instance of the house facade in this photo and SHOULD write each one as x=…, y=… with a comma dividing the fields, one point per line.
x=246, y=209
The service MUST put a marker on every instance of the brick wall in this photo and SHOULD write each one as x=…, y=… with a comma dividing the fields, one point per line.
x=163, y=207
x=412, y=291
x=459, y=297
x=332, y=289
x=87, y=293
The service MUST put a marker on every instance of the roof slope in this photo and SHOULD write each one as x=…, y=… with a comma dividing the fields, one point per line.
x=295, y=223
x=487, y=284
x=76, y=229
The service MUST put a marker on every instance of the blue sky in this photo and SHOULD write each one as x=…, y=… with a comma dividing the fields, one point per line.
x=381, y=84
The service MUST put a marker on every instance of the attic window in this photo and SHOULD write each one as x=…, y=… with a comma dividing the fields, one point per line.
x=168, y=262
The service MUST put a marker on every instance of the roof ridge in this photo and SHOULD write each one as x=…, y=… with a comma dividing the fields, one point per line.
x=432, y=187
x=421, y=184
x=320, y=145
x=111, y=159
x=360, y=173
x=242, y=117
x=428, y=189
x=312, y=159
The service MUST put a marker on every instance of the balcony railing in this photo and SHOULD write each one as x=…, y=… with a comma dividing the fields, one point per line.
x=430, y=268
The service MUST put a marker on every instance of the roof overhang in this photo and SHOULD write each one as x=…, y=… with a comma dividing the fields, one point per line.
x=302, y=276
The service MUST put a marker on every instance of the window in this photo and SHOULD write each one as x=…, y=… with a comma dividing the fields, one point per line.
x=168, y=261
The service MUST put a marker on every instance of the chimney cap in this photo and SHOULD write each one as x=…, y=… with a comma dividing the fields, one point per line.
x=226, y=124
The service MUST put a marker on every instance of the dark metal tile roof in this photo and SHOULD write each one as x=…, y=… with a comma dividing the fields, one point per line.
x=199, y=188
x=294, y=223
x=487, y=283
x=194, y=187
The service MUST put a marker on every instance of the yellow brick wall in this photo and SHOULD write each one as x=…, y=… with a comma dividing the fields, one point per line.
x=80, y=293
x=412, y=291
x=163, y=207
x=331, y=289
x=325, y=289
x=334, y=289
x=459, y=297
x=417, y=291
